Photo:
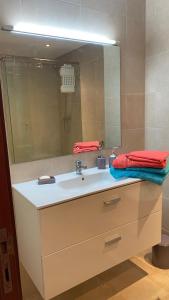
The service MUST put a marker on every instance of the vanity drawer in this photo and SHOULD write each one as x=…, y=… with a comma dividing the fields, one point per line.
x=75, y=264
x=78, y=220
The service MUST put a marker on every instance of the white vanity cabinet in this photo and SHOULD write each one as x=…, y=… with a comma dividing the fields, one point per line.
x=67, y=243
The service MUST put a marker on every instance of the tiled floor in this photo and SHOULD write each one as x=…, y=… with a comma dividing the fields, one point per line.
x=136, y=279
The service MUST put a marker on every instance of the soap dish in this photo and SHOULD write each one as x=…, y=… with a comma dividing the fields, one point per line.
x=46, y=180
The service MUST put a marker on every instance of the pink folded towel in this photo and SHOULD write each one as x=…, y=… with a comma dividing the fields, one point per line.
x=151, y=159
x=80, y=147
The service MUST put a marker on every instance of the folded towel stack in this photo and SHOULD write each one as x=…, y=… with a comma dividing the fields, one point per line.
x=80, y=147
x=147, y=165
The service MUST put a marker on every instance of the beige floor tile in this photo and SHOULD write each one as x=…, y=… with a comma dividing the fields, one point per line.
x=165, y=298
x=144, y=261
x=116, y=297
x=34, y=297
x=89, y=290
x=144, y=289
x=162, y=279
x=122, y=276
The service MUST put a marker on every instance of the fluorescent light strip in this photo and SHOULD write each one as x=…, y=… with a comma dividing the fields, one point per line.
x=55, y=32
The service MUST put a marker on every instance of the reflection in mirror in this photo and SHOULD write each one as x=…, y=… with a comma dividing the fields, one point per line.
x=50, y=104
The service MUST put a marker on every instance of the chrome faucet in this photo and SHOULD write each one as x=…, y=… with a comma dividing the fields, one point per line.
x=79, y=167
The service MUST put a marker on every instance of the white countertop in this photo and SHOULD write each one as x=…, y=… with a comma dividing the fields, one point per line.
x=69, y=186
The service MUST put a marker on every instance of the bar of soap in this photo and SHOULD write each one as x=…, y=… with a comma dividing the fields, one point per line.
x=45, y=179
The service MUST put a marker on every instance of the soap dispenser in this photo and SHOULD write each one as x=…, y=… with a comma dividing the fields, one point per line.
x=101, y=160
x=112, y=157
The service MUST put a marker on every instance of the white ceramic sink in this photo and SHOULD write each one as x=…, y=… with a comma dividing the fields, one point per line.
x=69, y=186
x=86, y=180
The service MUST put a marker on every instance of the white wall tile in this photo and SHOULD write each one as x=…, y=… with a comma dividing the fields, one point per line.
x=111, y=7
x=51, y=13
x=165, y=221
x=157, y=84
x=157, y=138
x=157, y=104
x=10, y=11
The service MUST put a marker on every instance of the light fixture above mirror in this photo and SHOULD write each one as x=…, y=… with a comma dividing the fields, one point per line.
x=57, y=32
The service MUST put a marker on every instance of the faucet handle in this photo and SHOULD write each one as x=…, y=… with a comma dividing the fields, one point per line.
x=78, y=162
x=79, y=167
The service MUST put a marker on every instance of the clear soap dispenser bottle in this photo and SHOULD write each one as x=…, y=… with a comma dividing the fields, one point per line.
x=112, y=157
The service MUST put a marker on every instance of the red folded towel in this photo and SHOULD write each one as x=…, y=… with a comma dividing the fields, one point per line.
x=152, y=159
x=80, y=147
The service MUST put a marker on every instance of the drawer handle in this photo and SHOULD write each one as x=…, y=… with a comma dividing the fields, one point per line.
x=111, y=240
x=112, y=201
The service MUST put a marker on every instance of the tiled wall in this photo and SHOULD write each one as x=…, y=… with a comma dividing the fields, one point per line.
x=157, y=83
x=118, y=19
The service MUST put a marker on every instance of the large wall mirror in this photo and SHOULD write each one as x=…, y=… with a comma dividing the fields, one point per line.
x=57, y=93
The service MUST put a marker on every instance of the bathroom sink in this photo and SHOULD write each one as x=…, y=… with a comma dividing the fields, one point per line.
x=86, y=180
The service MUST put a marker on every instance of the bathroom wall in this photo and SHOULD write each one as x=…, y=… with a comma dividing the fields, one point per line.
x=123, y=20
x=157, y=84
